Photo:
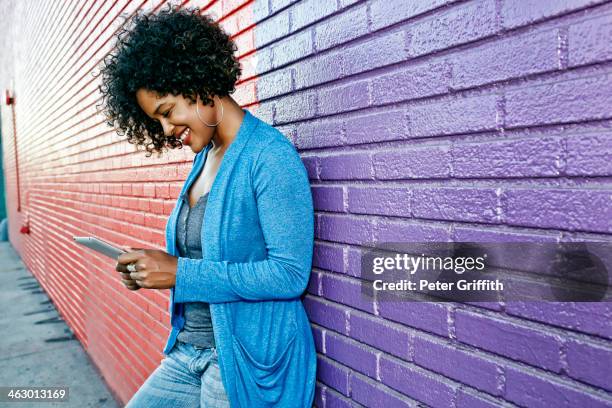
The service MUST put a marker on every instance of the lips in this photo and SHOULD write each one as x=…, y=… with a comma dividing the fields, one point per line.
x=185, y=136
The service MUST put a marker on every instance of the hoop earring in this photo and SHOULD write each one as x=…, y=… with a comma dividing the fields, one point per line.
x=202, y=120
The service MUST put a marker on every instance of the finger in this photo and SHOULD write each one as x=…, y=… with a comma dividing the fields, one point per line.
x=143, y=283
x=129, y=257
x=137, y=276
x=121, y=268
x=132, y=287
x=129, y=283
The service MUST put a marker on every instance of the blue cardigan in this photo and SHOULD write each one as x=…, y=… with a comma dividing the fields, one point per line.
x=257, y=240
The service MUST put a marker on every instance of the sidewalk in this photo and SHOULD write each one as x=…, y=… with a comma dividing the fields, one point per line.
x=37, y=349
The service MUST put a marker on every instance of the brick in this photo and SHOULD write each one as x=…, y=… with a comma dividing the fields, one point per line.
x=260, y=10
x=510, y=58
x=319, y=400
x=347, y=291
x=540, y=103
x=333, y=374
x=329, y=257
x=264, y=60
x=536, y=391
x=351, y=354
x=346, y=3
x=294, y=107
x=335, y=400
x=272, y=29
x=229, y=6
x=349, y=166
x=354, y=95
x=415, y=163
x=385, y=13
x=415, y=383
x=589, y=41
x=589, y=363
x=454, y=203
x=379, y=334
x=345, y=229
x=382, y=201
x=590, y=318
x=276, y=5
x=451, y=362
x=589, y=155
x=375, y=53
x=453, y=115
x=377, y=127
x=308, y=11
x=273, y=84
x=531, y=157
x=148, y=190
x=457, y=25
x=516, y=13
x=319, y=133
x=318, y=69
x=373, y=394
x=508, y=339
x=311, y=165
x=328, y=198
x=265, y=111
x=292, y=48
x=465, y=400
x=289, y=132
x=427, y=316
x=339, y=29
x=486, y=234
x=325, y=314
x=411, y=82
x=393, y=231
x=573, y=210
x=313, y=284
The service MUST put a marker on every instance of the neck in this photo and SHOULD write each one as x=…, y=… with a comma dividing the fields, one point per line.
x=226, y=131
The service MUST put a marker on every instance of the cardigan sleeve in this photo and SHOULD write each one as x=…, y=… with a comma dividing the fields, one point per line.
x=286, y=215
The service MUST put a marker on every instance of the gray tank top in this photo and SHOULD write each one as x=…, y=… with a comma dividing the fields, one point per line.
x=198, y=328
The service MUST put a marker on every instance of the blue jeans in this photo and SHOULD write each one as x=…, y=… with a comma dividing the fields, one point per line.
x=188, y=377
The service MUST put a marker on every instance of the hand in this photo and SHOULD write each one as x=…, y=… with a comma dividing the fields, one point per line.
x=125, y=274
x=155, y=269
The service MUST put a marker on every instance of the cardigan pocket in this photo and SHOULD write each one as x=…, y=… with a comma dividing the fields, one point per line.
x=265, y=382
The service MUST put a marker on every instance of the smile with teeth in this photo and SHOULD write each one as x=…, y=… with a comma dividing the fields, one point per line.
x=184, y=134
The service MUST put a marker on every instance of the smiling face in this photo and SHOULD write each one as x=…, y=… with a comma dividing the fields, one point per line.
x=177, y=116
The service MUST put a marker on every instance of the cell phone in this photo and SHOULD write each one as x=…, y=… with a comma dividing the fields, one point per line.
x=103, y=247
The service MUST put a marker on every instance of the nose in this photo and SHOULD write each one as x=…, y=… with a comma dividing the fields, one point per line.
x=168, y=129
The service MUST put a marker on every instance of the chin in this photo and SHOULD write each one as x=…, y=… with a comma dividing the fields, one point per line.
x=196, y=149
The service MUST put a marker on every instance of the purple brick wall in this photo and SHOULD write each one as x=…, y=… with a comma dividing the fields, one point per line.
x=445, y=120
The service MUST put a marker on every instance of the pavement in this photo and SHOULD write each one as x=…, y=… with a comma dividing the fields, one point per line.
x=37, y=348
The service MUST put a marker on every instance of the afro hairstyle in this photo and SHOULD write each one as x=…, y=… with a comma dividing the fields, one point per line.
x=175, y=51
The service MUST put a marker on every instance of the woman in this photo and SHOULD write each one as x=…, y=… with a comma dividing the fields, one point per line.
x=240, y=238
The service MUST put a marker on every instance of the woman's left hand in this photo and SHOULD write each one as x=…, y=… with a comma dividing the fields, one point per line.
x=155, y=269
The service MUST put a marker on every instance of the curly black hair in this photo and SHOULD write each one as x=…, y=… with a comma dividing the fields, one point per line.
x=176, y=50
